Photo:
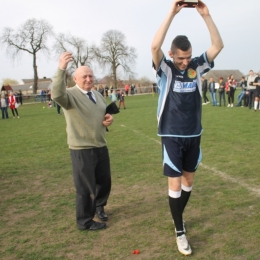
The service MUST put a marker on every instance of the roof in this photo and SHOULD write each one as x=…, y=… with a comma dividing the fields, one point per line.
x=25, y=81
x=29, y=86
x=6, y=88
x=216, y=74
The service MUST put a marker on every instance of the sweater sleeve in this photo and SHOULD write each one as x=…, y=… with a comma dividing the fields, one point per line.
x=59, y=93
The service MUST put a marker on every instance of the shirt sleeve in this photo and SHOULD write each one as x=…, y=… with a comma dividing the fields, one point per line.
x=202, y=64
x=158, y=72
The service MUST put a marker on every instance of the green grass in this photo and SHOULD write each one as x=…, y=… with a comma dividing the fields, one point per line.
x=37, y=209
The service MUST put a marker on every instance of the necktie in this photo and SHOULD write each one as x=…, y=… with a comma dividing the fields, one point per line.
x=91, y=98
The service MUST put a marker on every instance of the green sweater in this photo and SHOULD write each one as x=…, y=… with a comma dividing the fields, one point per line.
x=84, y=118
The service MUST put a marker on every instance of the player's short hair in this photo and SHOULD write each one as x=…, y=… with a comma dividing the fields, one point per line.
x=180, y=42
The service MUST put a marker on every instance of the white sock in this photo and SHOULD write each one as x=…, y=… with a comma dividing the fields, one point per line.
x=185, y=188
x=256, y=104
x=174, y=194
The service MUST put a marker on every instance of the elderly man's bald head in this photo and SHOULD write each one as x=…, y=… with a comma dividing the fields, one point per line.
x=84, y=77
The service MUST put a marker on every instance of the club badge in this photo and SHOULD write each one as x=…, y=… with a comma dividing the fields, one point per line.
x=192, y=74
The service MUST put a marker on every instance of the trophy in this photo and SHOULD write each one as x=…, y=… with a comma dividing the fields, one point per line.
x=190, y=3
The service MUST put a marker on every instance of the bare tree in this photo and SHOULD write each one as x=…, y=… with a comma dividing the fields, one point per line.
x=82, y=53
x=144, y=81
x=31, y=37
x=8, y=81
x=113, y=53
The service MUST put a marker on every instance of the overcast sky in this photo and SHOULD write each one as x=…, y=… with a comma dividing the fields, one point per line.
x=139, y=20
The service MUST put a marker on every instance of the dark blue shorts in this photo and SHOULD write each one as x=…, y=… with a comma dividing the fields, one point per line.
x=180, y=154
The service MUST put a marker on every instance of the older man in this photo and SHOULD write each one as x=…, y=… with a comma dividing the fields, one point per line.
x=84, y=111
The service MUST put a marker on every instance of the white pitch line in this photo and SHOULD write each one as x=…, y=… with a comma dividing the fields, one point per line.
x=221, y=174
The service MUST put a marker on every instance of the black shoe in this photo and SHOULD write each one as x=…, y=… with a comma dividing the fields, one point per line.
x=102, y=215
x=97, y=226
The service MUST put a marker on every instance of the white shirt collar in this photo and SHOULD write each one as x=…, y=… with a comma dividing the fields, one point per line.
x=85, y=92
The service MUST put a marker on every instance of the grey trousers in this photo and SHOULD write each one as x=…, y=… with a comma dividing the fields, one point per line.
x=92, y=179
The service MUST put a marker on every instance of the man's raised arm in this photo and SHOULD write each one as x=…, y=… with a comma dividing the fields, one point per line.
x=217, y=43
x=161, y=33
x=59, y=85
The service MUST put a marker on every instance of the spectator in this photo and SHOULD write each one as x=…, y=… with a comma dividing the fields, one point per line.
x=221, y=92
x=132, y=88
x=243, y=85
x=118, y=94
x=232, y=88
x=126, y=89
x=43, y=96
x=48, y=95
x=257, y=91
x=204, y=90
x=4, y=106
x=112, y=96
x=212, y=92
x=121, y=99
x=227, y=91
x=251, y=88
x=17, y=97
x=20, y=97
x=58, y=109
x=246, y=98
x=13, y=105
x=101, y=90
x=106, y=90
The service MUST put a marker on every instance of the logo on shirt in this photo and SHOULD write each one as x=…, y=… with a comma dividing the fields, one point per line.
x=184, y=87
x=192, y=74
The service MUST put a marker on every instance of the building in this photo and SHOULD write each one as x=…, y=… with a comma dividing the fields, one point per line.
x=27, y=86
x=216, y=74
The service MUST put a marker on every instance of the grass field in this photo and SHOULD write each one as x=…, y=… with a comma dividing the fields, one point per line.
x=38, y=197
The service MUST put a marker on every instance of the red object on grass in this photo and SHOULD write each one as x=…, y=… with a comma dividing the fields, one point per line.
x=136, y=252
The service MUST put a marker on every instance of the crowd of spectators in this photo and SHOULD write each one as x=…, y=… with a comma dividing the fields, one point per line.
x=222, y=92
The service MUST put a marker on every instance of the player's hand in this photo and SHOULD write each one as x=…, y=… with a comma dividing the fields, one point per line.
x=202, y=8
x=108, y=120
x=176, y=7
x=65, y=59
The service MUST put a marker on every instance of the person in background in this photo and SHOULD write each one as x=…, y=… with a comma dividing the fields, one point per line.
x=132, y=88
x=127, y=89
x=257, y=91
x=118, y=94
x=221, y=92
x=13, y=105
x=212, y=91
x=251, y=88
x=101, y=90
x=106, y=90
x=20, y=97
x=227, y=90
x=240, y=97
x=4, y=106
x=204, y=90
x=121, y=99
x=232, y=88
x=43, y=96
x=112, y=97
x=58, y=109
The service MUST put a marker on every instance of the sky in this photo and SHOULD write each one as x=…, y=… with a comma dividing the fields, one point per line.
x=138, y=20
